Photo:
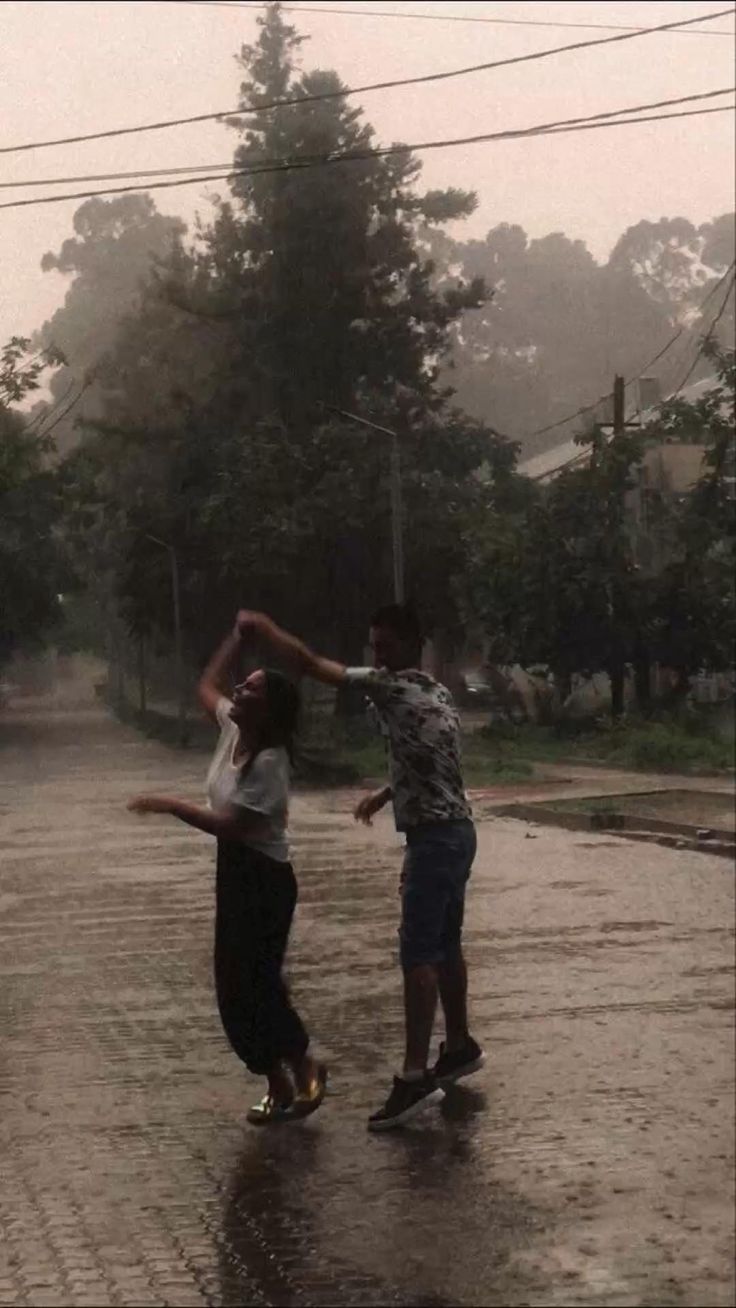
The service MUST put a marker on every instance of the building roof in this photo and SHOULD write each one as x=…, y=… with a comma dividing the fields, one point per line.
x=554, y=460
x=570, y=454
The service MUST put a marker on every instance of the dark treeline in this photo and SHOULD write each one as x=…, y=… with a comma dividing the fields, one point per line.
x=189, y=371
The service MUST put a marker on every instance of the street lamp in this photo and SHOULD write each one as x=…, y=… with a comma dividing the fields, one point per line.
x=178, y=650
x=397, y=509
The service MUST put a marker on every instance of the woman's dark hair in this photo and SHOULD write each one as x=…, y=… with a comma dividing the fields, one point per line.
x=283, y=703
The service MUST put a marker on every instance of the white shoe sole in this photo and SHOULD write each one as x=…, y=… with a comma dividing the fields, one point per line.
x=435, y=1097
x=467, y=1070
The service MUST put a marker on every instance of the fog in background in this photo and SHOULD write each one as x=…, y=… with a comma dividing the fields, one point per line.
x=71, y=68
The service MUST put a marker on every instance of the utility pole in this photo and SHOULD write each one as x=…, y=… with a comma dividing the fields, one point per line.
x=178, y=648
x=617, y=672
x=641, y=655
x=619, y=427
x=397, y=507
x=619, y=405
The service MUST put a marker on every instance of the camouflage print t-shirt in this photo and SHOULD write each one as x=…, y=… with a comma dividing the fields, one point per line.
x=421, y=724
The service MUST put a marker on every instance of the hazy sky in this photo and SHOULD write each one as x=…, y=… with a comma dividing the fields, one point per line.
x=68, y=67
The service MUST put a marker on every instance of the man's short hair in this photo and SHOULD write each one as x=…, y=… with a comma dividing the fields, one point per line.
x=402, y=621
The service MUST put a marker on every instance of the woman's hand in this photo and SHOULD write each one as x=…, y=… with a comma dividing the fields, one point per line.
x=149, y=804
x=227, y=824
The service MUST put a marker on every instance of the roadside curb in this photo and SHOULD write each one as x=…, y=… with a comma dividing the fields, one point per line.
x=673, y=835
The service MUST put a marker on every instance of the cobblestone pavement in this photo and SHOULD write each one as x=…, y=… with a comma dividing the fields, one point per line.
x=589, y=1164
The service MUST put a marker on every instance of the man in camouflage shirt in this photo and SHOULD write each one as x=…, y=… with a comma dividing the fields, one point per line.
x=421, y=726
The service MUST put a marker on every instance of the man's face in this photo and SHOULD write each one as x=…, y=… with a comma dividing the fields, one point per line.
x=390, y=651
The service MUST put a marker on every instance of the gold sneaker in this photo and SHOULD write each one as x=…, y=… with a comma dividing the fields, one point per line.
x=308, y=1101
x=269, y=1110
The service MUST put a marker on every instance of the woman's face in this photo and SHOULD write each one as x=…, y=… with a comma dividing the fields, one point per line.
x=250, y=705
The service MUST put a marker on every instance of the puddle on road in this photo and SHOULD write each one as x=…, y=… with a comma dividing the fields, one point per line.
x=597, y=844
x=293, y=1215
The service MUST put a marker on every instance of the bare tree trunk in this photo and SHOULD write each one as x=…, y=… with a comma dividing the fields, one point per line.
x=554, y=709
x=563, y=682
x=617, y=675
x=142, y=674
x=643, y=679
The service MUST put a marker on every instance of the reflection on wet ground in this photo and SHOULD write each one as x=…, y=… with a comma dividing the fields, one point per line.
x=589, y=1163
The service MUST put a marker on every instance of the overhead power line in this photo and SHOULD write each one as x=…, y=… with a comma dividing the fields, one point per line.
x=320, y=158
x=43, y=415
x=357, y=90
x=588, y=408
x=115, y=177
x=46, y=431
x=361, y=157
x=359, y=11
x=707, y=337
x=715, y=288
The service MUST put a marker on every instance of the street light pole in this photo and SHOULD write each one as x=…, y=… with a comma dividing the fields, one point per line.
x=397, y=507
x=178, y=647
x=397, y=520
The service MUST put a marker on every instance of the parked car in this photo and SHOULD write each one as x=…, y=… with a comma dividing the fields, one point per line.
x=475, y=692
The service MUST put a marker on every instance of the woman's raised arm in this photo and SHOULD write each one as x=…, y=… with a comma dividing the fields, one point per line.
x=212, y=683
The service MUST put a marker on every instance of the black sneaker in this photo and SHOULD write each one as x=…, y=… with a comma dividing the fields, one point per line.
x=461, y=1062
x=406, y=1099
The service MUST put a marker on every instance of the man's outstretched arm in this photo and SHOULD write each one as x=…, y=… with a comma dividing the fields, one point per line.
x=305, y=662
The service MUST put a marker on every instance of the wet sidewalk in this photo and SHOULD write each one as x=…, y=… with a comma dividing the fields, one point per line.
x=589, y=1164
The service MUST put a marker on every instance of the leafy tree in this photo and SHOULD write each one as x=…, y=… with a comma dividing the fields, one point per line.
x=556, y=329
x=309, y=286
x=693, y=617
x=31, y=567
x=344, y=297
x=21, y=375
x=674, y=261
x=338, y=284
x=556, y=581
x=554, y=575
x=109, y=257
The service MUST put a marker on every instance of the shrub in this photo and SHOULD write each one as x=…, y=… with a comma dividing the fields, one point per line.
x=667, y=748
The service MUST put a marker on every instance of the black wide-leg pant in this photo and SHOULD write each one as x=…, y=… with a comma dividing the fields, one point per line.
x=256, y=898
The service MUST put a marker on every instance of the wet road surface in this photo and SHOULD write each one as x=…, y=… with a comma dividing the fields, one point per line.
x=590, y=1163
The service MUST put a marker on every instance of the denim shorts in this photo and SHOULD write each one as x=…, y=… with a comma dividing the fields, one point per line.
x=437, y=863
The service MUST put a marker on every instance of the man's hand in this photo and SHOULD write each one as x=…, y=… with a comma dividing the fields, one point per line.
x=149, y=804
x=369, y=805
x=249, y=623
x=292, y=650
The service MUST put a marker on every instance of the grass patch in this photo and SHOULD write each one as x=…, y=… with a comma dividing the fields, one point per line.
x=357, y=746
x=662, y=748
x=506, y=754
x=685, y=746
x=485, y=764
